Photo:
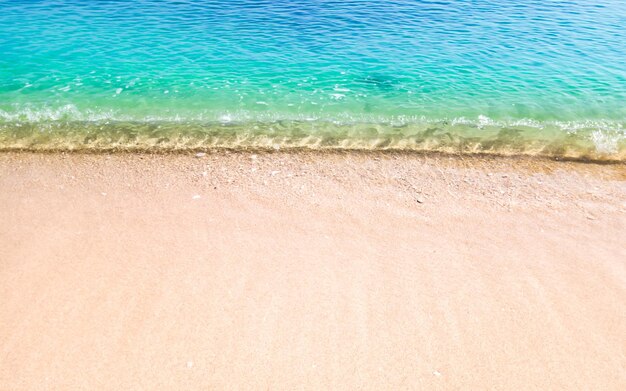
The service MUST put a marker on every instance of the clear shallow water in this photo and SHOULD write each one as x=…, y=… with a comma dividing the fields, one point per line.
x=538, y=77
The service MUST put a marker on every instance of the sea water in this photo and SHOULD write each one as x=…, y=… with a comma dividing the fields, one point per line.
x=541, y=77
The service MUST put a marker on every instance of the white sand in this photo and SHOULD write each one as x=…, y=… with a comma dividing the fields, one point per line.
x=310, y=271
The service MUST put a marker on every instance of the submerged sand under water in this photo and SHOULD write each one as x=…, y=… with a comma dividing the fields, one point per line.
x=310, y=271
x=591, y=141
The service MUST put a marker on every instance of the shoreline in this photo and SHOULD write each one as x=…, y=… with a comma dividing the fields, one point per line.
x=514, y=157
x=310, y=269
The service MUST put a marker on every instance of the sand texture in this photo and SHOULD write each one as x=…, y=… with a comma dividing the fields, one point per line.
x=315, y=271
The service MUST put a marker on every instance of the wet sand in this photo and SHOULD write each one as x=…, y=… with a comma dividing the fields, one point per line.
x=310, y=271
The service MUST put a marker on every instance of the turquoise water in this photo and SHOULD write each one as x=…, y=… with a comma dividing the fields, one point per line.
x=531, y=77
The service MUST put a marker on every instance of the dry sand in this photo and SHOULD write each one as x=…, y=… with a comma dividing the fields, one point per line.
x=310, y=271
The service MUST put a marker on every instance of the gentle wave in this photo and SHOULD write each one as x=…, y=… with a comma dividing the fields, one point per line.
x=71, y=113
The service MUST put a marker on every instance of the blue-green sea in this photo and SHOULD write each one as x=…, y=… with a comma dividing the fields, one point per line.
x=539, y=77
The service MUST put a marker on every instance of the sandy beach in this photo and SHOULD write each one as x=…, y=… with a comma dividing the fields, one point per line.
x=311, y=270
